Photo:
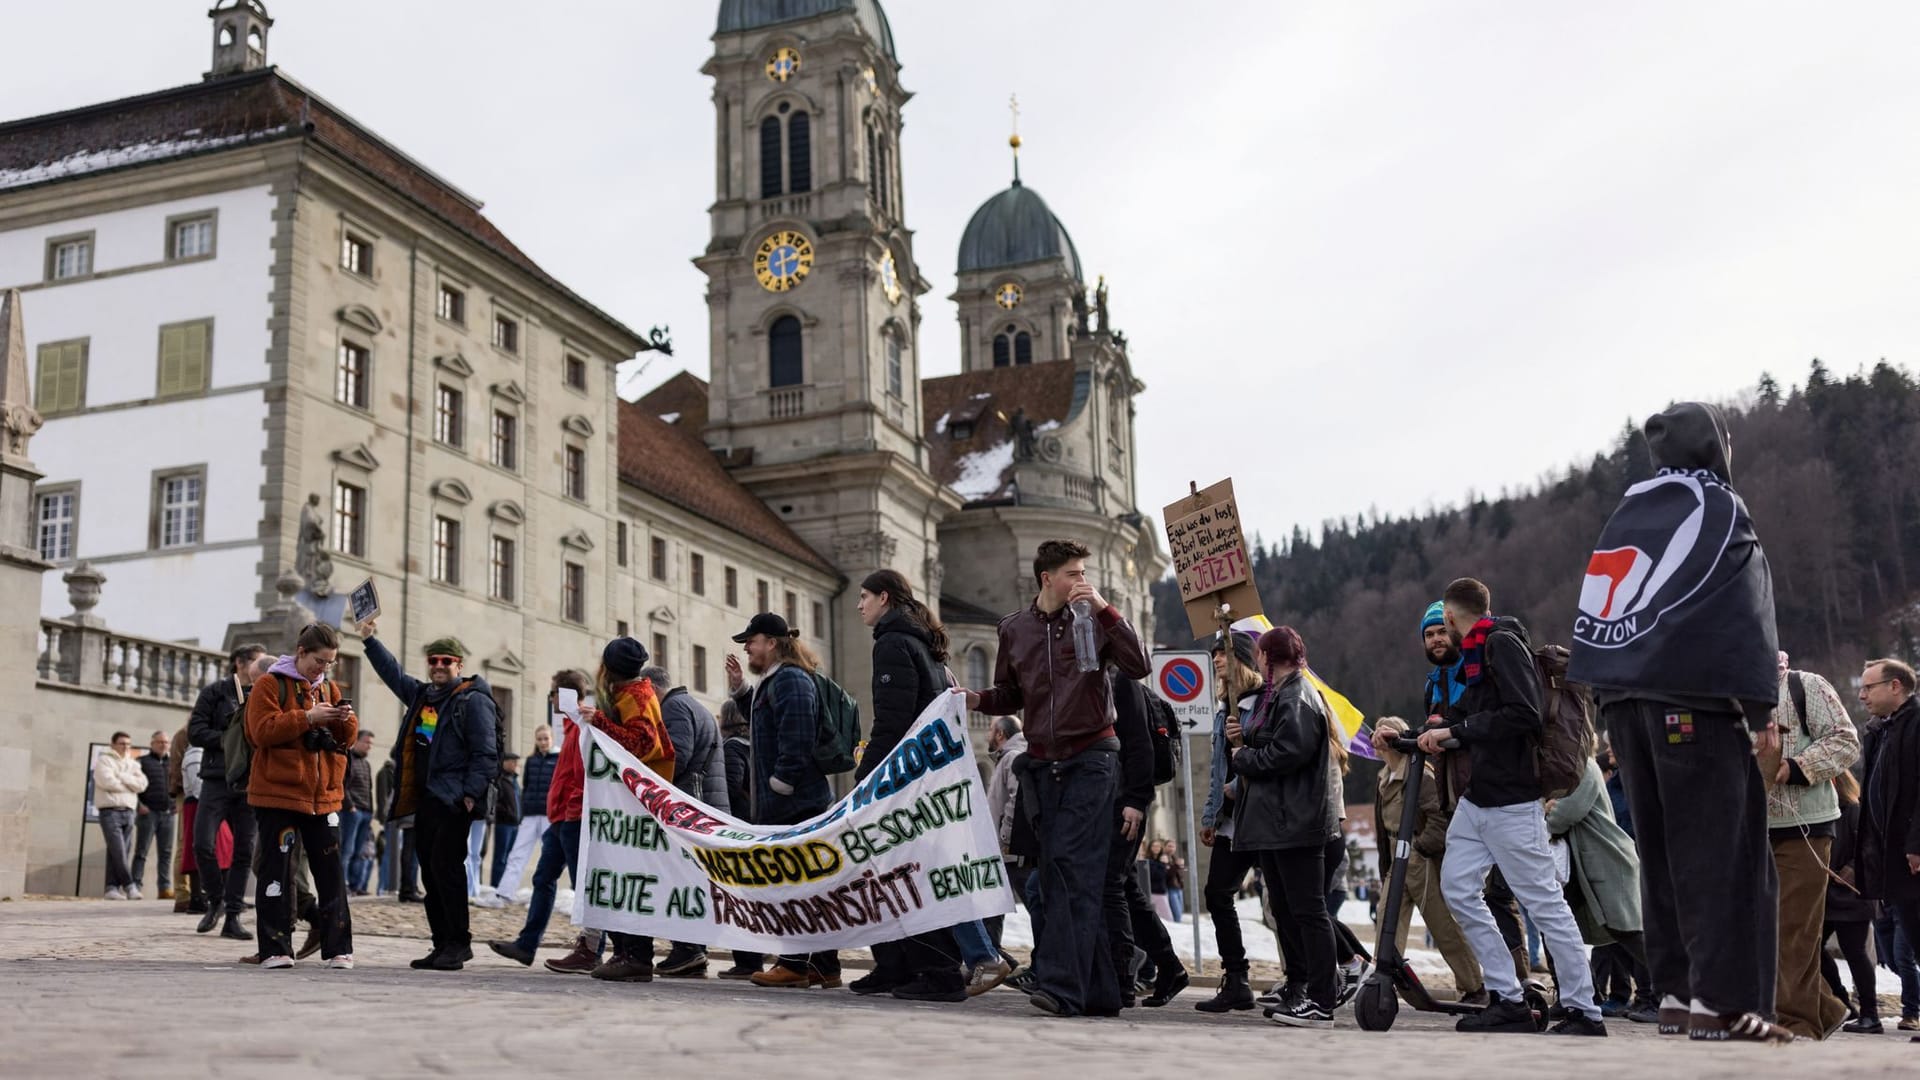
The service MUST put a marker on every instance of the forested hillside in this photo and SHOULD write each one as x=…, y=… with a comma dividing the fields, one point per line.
x=1829, y=470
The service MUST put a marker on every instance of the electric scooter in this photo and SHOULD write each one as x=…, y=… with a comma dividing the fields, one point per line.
x=1393, y=978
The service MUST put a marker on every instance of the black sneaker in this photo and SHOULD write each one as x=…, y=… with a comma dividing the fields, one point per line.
x=1863, y=1025
x=1499, y=1016
x=1643, y=1012
x=426, y=962
x=1351, y=978
x=683, y=962
x=1302, y=1014
x=512, y=951
x=878, y=981
x=625, y=969
x=449, y=959
x=1024, y=981
x=925, y=988
x=1579, y=1024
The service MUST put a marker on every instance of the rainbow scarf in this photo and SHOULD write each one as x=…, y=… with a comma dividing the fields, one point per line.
x=1473, y=652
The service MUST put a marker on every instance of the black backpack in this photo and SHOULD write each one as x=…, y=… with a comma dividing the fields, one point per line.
x=1163, y=730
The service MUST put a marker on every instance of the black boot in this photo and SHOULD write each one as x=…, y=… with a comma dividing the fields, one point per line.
x=1234, y=995
x=234, y=930
x=208, y=921
x=1167, y=985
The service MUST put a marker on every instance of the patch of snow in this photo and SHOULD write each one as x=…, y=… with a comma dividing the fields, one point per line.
x=981, y=470
x=1048, y=426
x=671, y=418
x=87, y=161
x=982, y=396
x=940, y=425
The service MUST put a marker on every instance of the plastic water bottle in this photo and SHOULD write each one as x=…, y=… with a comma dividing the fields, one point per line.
x=1086, y=647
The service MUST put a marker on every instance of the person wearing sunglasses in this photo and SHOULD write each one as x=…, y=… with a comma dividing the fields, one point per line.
x=444, y=762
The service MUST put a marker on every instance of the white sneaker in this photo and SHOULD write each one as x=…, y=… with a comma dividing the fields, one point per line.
x=489, y=900
x=987, y=975
x=274, y=962
x=344, y=962
x=133, y=892
x=116, y=893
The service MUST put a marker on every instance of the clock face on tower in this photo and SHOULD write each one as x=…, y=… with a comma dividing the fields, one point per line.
x=784, y=64
x=783, y=260
x=1007, y=295
x=890, y=278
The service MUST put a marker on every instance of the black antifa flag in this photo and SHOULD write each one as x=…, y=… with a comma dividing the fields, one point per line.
x=1678, y=597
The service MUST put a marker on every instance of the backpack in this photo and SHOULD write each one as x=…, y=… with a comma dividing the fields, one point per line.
x=1567, y=741
x=838, y=730
x=234, y=742
x=1161, y=727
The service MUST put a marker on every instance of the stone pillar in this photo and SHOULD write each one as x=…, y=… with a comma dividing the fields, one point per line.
x=20, y=571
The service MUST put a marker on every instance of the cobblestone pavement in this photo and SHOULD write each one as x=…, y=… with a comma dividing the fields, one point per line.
x=98, y=989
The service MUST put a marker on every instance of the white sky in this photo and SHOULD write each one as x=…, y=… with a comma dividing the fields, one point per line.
x=1338, y=235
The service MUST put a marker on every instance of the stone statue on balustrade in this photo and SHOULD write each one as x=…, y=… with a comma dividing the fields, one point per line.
x=310, y=559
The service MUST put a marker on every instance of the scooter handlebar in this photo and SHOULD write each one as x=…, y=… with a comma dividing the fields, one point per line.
x=1409, y=745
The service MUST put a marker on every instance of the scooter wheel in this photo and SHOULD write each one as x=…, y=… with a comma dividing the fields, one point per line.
x=1538, y=1004
x=1375, y=1006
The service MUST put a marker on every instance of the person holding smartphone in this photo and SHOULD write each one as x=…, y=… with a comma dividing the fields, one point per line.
x=300, y=729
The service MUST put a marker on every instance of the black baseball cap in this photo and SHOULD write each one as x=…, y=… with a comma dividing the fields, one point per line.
x=764, y=623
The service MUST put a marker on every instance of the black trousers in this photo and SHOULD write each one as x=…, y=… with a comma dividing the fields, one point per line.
x=1852, y=937
x=218, y=803
x=1225, y=871
x=1709, y=896
x=1346, y=946
x=1296, y=890
x=637, y=947
x=283, y=833
x=442, y=842
x=1129, y=914
x=1071, y=808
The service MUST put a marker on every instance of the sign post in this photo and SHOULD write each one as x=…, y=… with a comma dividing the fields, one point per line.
x=1184, y=679
x=89, y=813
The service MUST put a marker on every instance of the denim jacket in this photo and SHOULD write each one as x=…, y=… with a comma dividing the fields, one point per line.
x=1214, y=814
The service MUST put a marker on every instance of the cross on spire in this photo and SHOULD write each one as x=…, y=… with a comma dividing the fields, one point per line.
x=1013, y=140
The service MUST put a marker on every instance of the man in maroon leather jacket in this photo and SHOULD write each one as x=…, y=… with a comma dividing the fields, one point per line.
x=1070, y=771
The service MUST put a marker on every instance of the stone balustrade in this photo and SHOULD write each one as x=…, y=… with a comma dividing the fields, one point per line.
x=86, y=657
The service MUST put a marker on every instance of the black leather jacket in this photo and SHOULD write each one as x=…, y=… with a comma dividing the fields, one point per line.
x=1282, y=768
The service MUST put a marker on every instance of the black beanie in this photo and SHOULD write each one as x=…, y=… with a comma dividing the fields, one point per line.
x=623, y=658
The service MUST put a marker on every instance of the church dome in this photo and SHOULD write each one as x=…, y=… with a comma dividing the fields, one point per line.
x=1013, y=228
x=739, y=15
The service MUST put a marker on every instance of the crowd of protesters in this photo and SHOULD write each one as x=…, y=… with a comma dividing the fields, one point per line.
x=1730, y=821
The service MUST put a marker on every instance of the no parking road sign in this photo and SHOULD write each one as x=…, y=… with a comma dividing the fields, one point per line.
x=1184, y=680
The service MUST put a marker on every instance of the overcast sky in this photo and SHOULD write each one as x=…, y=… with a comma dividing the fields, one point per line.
x=1340, y=236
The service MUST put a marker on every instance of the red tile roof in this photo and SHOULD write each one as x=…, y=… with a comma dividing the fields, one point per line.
x=987, y=398
x=220, y=114
x=671, y=462
x=683, y=397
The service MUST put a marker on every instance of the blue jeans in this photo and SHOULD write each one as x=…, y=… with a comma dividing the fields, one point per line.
x=1896, y=955
x=975, y=946
x=356, y=828
x=502, y=847
x=1177, y=902
x=476, y=843
x=559, y=850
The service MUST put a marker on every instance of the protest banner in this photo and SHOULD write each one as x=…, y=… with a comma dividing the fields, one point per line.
x=1210, y=557
x=911, y=848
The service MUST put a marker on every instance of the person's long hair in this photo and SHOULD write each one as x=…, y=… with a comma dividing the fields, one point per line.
x=1847, y=786
x=900, y=598
x=789, y=650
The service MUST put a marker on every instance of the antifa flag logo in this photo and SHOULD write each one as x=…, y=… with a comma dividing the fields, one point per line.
x=1663, y=544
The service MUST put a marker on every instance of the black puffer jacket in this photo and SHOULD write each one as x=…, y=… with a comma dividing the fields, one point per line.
x=1136, y=743
x=218, y=705
x=1498, y=721
x=1282, y=767
x=906, y=678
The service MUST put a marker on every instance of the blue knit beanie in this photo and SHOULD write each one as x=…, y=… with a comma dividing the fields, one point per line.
x=1436, y=614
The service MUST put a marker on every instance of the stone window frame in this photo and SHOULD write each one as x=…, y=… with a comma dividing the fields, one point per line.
x=697, y=573
x=349, y=539
x=444, y=559
x=357, y=234
x=503, y=585
x=156, y=510
x=449, y=424
x=171, y=239
x=55, y=243
x=573, y=594
x=40, y=495
x=458, y=291
x=363, y=401
x=514, y=342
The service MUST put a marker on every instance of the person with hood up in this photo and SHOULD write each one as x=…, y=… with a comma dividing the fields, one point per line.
x=1675, y=634
x=445, y=761
x=633, y=720
x=300, y=733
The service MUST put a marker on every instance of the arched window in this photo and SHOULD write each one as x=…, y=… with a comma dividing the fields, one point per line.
x=884, y=176
x=896, y=367
x=977, y=667
x=1023, y=348
x=770, y=157
x=783, y=352
x=1002, y=350
x=799, y=153
x=873, y=160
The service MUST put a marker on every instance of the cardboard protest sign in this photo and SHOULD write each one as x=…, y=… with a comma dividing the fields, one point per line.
x=1210, y=557
x=911, y=848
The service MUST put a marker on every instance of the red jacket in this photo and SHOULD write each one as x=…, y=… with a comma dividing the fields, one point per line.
x=635, y=724
x=569, y=784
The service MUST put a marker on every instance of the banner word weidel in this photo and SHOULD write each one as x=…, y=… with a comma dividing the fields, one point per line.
x=911, y=848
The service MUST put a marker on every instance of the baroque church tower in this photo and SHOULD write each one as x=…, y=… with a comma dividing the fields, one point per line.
x=814, y=402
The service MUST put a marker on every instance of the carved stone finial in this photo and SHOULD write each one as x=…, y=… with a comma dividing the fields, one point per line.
x=83, y=592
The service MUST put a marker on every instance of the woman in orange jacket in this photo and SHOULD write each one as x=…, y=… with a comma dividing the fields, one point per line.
x=300, y=731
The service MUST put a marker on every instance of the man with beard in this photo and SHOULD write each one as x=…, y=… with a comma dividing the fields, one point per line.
x=1675, y=634
x=1451, y=769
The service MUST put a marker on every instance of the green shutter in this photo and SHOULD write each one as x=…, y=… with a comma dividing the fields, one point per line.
x=183, y=359
x=61, y=385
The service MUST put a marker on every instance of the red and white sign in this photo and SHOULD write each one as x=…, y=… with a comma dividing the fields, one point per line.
x=1184, y=680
